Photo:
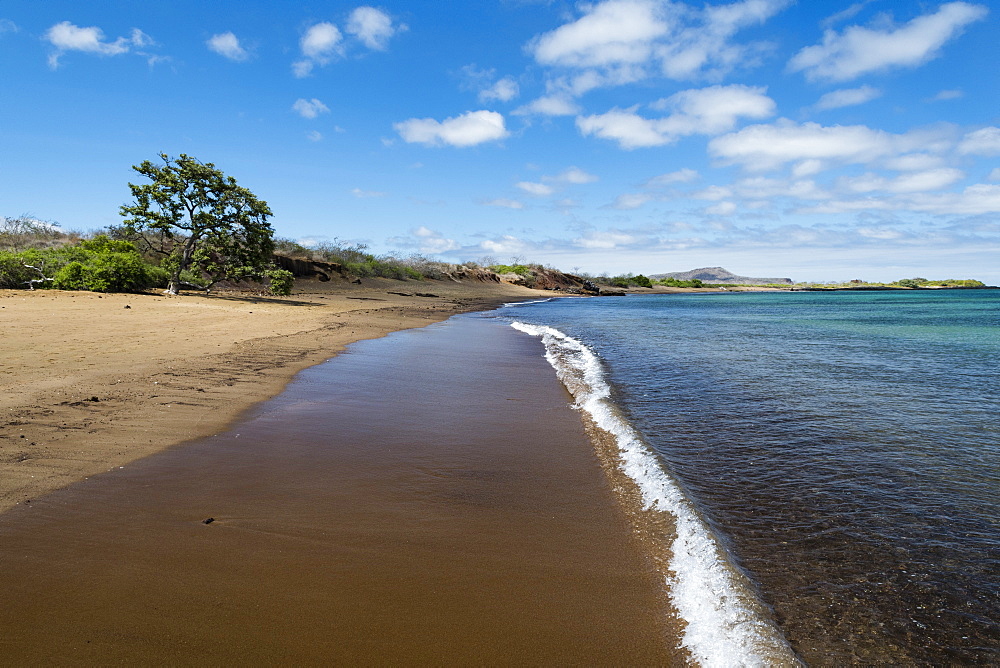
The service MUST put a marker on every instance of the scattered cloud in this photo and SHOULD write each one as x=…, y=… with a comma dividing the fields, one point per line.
x=320, y=44
x=630, y=40
x=227, y=45
x=550, y=105
x=504, y=90
x=505, y=203
x=706, y=111
x=537, y=189
x=629, y=201
x=844, y=14
x=66, y=36
x=572, y=175
x=6, y=25
x=994, y=175
x=468, y=129
x=947, y=95
x=366, y=194
x=981, y=142
x=680, y=176
x=373, y=27
x=847, y=97
x=314, y=135
x=310, y=108
x=425, y=240
x=858, y=50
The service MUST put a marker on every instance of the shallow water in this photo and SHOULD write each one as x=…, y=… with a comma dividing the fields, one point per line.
x=842, y=448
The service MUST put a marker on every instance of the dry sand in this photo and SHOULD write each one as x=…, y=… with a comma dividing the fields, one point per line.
x=91, y=382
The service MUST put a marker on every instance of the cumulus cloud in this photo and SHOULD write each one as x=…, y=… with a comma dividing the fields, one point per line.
x=373, y=27
x=847, y=97
x=858, y=50
x=504, y=90
x=468, y=129
x=706, y=111
x=981, y=142
x=320, y=44
x=573, y=175
x=550, y=105
x=310, y=108
x=6, y=25
x=944, y=95
x=629, y=40
x=227, y=45
x=537, y=189
x=66, y=36
x=425, y=240
x=764, y=147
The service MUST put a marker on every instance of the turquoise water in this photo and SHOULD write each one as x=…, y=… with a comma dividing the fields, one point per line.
x=842, y=448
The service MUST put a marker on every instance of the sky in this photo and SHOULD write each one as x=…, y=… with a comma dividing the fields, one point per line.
x=819, y=141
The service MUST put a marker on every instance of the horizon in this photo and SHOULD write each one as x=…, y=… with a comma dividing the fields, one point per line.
x=816, y=141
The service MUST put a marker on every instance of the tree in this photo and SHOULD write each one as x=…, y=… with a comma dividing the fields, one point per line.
x=205, y=227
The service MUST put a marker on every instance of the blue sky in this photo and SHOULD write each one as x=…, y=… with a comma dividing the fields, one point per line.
x=814, y=140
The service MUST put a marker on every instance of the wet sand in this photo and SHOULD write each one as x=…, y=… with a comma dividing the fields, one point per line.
x=89, y=382
x=425, y=498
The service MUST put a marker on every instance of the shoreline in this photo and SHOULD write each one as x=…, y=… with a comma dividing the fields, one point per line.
x=92, y=381
x=452, y=513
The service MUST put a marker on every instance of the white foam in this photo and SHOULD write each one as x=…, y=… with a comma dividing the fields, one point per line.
x=533, y=301
x=726, y=624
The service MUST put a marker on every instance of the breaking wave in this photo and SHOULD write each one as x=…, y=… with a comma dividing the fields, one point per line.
x=726, y=623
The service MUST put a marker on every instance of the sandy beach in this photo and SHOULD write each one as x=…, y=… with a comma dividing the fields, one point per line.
x=90, y=382
x=425, y=498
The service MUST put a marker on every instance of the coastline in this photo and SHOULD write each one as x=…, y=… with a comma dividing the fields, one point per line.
x=454, y=513
x=92, y=382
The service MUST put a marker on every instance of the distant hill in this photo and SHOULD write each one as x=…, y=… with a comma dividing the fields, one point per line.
x=718, y=275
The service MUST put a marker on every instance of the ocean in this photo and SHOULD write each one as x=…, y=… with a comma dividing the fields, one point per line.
x=830, y=463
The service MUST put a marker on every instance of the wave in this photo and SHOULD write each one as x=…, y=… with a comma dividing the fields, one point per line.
x=527, y=303
x=726, y=624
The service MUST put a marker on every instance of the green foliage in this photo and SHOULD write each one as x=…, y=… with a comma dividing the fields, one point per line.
x=279, y=281
x=672, y=282
x=99, y=264
x=199, y=220
x=519, y=269
x=910, y=282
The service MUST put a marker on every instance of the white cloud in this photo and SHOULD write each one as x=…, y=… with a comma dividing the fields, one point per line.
x=504, y=90
x=469, y=129
x=537, y=189
x=721, y=209
x=314, y=135
x=605, y=240
x=764, y=147
x=975, y=200
x=504, y=203
x=944, y=95
x=858, y=50
x=629, y=201
x=227, y=45
x=914, y=182
x=506, y=244
x=310, y=108
x=847, y=97
x=6, y=25
x=66, y=36
x=573, y=175
x=319, y=45
x=699, y=111
x=550, y=105
x=680, y=176
x=981, y=142
x=912, y=162
x=994, y=175
x=612, y=32
x=373, y=27
x=629, y=40
x=365, y=194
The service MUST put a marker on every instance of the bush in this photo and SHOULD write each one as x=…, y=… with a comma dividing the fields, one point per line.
x=99, y=264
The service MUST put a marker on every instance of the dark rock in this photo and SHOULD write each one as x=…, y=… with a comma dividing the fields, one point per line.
x=208, y=521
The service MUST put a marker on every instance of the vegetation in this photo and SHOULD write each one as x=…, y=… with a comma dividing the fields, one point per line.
x=204, y=227
x=99, y=265
x=355, y=260
x=675, y=283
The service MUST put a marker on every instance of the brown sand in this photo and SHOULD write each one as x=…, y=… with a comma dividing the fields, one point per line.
x=451, y=514
x=90, y=382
